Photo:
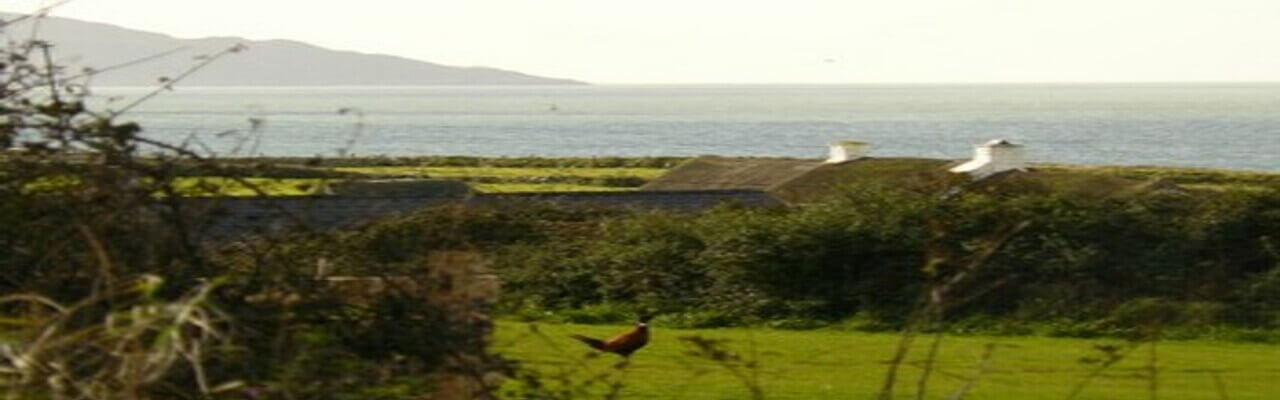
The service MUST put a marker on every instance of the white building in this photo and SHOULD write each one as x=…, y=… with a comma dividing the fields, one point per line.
x=992, y=157
x=847, y=150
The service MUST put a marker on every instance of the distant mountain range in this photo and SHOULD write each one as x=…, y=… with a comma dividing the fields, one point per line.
x=79, y=44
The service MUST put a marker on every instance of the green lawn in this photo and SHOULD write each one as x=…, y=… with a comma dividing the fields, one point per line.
x=518, y=179
x=502, y=172
x=540, y=179
x=852, y=365
x=1190, y=178
x=219, y=186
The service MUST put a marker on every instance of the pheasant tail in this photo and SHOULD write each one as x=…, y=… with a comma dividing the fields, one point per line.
x=593, y=342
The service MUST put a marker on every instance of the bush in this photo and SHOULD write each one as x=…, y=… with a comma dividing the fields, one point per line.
x=606, y=313
x=697, y=320
x=1082, y=266
x=91, y=217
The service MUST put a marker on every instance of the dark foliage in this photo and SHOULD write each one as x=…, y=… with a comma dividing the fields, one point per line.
x=110, y=291
x=862, y=254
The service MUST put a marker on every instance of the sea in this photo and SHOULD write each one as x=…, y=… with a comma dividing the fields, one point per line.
x=1231, y=126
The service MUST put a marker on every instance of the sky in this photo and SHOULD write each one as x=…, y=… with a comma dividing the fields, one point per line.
x=758, y=41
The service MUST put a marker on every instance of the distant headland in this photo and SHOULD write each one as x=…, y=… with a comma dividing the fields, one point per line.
x=150, y=57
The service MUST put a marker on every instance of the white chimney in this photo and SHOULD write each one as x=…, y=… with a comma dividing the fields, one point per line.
x=845, y=150
x=992, y=157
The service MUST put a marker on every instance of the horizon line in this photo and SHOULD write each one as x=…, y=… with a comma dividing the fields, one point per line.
x=905, y=83
x=717, y=84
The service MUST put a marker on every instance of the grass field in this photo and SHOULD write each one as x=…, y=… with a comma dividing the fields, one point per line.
x=219, y=186
x=519, y=179
x=575, y=179
x=852, y=365
x=503, y=172
x=1190, y=178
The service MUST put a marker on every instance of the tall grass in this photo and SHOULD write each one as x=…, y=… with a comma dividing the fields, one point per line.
x=121, y=343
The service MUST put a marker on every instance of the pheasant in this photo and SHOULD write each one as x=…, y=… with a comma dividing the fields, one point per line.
x=624, y=344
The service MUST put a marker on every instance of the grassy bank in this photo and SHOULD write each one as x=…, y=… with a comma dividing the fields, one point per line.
x=520, y=179
x=504, y=172
x=533, y=174
x=483, y=179
x=1191, y=178
x=220, y=186
x=836, y=364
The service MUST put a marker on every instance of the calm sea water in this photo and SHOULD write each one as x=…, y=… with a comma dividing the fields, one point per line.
x=1229, y=126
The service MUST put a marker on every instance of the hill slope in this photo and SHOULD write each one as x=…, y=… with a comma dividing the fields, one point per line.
x=82, y=44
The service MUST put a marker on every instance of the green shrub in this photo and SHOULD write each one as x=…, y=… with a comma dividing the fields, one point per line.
x=862, y=322
x=1082, y=266
x=605, y=313
x=697, y=320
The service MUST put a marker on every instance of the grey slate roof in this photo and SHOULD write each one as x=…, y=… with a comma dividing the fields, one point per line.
x=679, y=200
x=234, y=216
x=400, y=188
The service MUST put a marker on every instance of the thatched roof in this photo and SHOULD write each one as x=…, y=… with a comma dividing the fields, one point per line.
x=726, y=173
x=1080, y=183
x=897, y=172
x=797, y=179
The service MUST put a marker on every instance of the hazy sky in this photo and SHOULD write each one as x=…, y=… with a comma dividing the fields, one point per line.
x=759, y=41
